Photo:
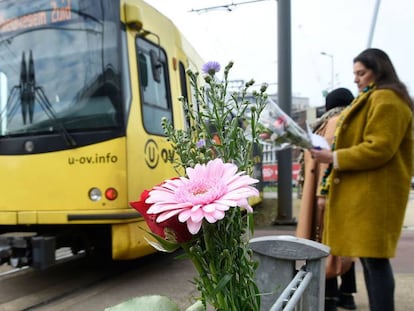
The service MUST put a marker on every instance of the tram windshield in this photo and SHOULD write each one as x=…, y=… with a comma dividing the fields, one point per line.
x=59, y=66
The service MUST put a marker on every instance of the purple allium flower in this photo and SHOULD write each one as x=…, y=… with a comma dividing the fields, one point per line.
x=201, y=143
x=211, y=68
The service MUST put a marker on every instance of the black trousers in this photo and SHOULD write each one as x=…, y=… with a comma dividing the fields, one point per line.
x=380, y=283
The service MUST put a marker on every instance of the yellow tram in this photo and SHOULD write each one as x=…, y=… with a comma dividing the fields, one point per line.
x=83, y=87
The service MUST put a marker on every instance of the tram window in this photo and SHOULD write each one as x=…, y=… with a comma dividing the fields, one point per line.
x=183, y=81
x=143, y=73
x=156, y=66
x=184, y=90
x=3, y=103
x=154, y=86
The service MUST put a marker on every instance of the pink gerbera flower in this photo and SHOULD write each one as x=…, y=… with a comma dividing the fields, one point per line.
x=209, y=191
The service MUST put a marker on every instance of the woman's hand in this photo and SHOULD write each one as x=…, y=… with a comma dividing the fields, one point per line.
x=321, y=203
x=322, y=155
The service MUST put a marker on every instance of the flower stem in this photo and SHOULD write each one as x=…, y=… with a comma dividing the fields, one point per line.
x=207, y=232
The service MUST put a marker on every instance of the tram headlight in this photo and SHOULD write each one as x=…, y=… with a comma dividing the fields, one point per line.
x=95, y=194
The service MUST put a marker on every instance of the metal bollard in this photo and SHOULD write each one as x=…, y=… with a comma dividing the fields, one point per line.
x=278, y=257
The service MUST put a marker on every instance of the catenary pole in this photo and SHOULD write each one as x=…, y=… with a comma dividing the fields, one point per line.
x=373, y=23
x=284, y=157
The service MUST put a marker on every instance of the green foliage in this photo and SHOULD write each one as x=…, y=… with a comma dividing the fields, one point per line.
x=225, y=265
x=217, y=123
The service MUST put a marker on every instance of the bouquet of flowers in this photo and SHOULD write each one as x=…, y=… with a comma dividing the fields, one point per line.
x=205, y=210
x=280, y=130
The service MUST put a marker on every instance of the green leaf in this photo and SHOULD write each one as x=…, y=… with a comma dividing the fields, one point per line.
x=250, y=220
x=162, y=245
x=222, y=283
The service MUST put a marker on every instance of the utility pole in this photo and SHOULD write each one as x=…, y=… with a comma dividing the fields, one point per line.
x=284, y=157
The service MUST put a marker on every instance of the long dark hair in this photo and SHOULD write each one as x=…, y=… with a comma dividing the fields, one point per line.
x=385, y=74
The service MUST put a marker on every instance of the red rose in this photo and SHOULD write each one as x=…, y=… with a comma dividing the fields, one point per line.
x=176, y=230
x=150, y=219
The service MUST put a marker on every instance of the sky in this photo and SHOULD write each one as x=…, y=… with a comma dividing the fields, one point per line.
x=247, y=35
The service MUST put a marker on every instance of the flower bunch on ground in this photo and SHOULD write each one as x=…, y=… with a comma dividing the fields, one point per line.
x=206, y=210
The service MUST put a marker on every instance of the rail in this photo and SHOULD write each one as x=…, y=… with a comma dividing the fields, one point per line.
x=283, y=286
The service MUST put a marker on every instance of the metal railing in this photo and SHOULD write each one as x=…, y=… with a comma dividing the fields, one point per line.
x=283, y=287
x=292, y=294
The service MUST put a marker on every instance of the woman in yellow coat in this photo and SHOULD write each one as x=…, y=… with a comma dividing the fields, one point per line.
x=368, y=184
x=310, y=223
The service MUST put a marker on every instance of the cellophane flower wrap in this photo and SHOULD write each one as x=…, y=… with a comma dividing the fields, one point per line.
x=279, y=130
x=210, y=196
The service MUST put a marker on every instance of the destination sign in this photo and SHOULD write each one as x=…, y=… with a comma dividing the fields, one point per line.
x=32, y=15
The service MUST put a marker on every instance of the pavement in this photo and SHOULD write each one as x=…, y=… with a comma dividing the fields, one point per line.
x=403, y=263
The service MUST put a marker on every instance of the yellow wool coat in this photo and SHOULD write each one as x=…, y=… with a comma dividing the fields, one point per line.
x=368, y=192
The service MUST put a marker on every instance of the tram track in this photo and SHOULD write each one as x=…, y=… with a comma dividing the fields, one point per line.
x=30, y=289
x=62, y=255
